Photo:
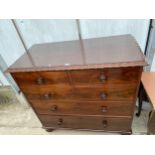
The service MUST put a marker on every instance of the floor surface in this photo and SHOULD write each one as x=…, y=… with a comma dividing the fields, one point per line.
x=19, y=119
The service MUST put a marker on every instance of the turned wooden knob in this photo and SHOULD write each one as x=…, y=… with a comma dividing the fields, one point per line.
x=103, y=96
x=40, y=80
x=60, y=121
x=105, y=123
x=54, y=108
x=47, y=96
x=104, y=109
x=102, y=78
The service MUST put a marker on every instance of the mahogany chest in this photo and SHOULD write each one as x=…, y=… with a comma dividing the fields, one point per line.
x=88, y=84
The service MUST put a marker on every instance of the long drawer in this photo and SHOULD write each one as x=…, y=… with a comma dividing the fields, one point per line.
x=83, y=108
x=104, y=93
x=86, y=122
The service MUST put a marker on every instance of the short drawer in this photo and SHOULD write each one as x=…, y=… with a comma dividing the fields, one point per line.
x=116, y=108
x=41, y=78
x=87, y=122
x=104, y=93
x=107, y=75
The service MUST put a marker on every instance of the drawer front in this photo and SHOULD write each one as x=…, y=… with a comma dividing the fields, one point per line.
x=105, y=93
x=109, y=76
x=41, y=78
x=87, y=122
x=83, y=108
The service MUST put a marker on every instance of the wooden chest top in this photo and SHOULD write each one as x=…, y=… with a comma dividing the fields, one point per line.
x=116, y=51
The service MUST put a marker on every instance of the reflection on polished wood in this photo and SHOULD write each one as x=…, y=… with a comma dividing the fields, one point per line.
x=89, y=84
x=116, y=51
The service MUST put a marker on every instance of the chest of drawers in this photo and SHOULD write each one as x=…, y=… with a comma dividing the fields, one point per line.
x=88, y=85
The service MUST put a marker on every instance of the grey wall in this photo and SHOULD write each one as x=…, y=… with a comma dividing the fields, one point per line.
x=11, y=47
x=153, y=64
x=98, y=28
x=40, y=31
x=151, y=48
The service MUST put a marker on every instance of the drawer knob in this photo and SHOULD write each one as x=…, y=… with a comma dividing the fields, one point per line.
x=47, y=96
x=102, y=78
x=60, y=121
x=105, y=123
x=104, y=109
x=40, y=80
x=103, y=96
x=54, y=108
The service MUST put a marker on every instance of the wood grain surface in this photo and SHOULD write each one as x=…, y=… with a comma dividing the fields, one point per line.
x=90, y=84
x=111, y=108
x=87, y=122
